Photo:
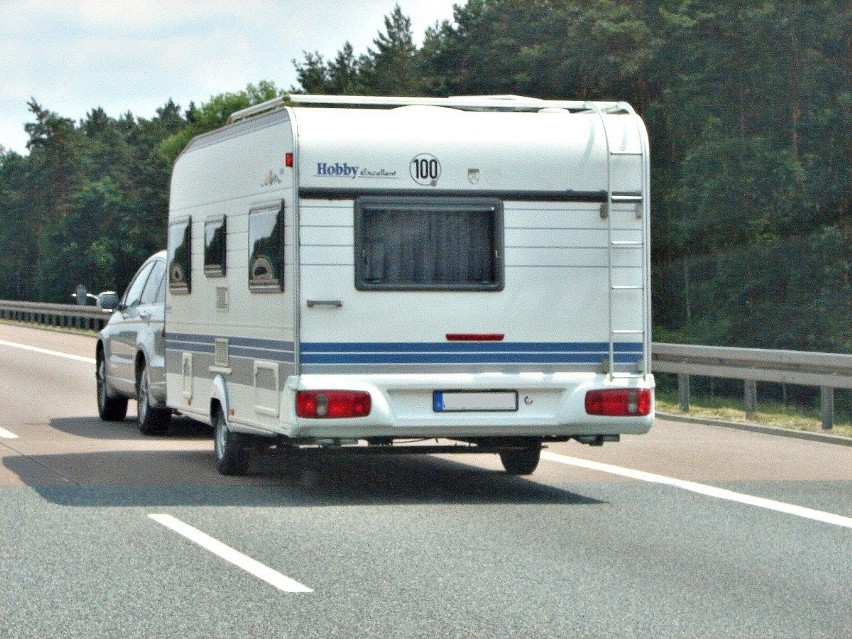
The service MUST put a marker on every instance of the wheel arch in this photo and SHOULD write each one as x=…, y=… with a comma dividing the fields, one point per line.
x=140, y=361
x=219, y=399
x=100, y=351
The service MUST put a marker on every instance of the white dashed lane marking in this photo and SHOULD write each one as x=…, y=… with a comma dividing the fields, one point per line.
x=44, y=351
x=259, y=570
x=703, y=489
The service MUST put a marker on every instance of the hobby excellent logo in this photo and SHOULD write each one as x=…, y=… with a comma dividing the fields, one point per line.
x=337, y=169
x=352, y=171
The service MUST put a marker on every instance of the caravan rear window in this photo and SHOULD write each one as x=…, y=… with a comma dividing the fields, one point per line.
x=434, y=244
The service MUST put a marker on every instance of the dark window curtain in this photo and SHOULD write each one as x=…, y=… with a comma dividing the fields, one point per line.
x=429, y=247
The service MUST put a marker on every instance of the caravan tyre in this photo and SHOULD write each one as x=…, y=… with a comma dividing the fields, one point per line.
x=152, y=421
x=110, y=409
x=231, y=449
x=522, y=461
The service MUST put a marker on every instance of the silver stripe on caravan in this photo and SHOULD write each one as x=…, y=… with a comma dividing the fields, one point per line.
x=242, y=353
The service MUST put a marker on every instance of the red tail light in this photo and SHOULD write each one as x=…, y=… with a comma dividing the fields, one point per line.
x=474, y=337
x=332, y=404
x=619, y=402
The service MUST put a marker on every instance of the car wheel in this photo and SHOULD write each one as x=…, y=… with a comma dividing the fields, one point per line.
x=152, y=421
x=110, y=409
x=521, y=461
x=231, y=449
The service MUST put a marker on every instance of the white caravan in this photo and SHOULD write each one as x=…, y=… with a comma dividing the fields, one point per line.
x=367, y=273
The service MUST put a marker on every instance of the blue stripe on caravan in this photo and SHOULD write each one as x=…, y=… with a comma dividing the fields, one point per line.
x=467, y=353
x=467, y=347
x=464, y=358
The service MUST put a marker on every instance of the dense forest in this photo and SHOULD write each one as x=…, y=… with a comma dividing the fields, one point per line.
x=747, y=105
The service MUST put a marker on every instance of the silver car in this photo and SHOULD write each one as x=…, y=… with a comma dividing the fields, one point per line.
x=131, y=352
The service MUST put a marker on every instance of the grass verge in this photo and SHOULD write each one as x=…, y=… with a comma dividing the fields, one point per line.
x=768, y=413
x=91, y=332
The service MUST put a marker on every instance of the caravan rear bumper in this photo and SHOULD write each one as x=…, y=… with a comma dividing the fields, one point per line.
x=467, y=405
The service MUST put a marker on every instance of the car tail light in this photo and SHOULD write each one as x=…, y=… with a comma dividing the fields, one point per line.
x=332, y=404
x=619, y=402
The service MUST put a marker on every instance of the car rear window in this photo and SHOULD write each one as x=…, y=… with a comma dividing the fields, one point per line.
x=154, y=284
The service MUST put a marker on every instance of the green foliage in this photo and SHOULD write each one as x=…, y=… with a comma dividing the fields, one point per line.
x=214, y=114
x=747, y=105
x=90, y=202
x=86, y=206
x=392, y=68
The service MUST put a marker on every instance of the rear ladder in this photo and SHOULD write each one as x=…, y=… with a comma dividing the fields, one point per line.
x=617, y=329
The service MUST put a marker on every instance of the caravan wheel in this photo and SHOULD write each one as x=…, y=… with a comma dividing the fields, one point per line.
x=522, y=461
x=232, y=455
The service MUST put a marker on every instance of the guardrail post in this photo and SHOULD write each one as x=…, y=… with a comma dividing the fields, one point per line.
x=683, y=392
x=827, y=401
x=750, y=398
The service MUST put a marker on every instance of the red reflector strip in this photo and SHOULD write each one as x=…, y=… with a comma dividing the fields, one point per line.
x=474, y=337
x=619, y=402
x=288, y=160
x=332, y=404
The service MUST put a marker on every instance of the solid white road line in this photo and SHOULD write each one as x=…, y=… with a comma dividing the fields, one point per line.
x=702, y=489
x=227, y=553
x=44, y=351
x=5, y=434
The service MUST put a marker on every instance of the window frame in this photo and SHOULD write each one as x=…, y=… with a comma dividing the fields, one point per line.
x=274, y=285
x=140, y=279
x=216, y=267
x=180, y=287
x=151, y=291
x=451, y=205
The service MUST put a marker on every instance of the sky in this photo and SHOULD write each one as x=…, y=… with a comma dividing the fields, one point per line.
x=134, y=55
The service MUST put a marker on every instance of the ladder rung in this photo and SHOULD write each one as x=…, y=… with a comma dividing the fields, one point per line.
x=627, y=288
x=626, y=198
x=626, y=243
x=625, y=152
x=627, y=332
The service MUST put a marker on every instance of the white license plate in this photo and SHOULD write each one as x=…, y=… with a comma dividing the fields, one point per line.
x=472, y=401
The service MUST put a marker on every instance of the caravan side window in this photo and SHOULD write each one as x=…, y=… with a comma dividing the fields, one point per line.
x=266, y=249
x=180, y=256
x=434, y=244
x=214, y=247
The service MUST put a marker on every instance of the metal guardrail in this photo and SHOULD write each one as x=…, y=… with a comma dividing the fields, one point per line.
x=66, y=315
x=825, y=370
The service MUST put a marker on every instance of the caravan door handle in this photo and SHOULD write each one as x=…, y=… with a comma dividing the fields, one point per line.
x=331, y=303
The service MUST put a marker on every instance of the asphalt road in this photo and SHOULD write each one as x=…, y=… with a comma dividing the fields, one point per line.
x=689, y=531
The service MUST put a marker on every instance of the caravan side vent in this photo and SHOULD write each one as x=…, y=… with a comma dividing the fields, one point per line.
x=220, y=356
x=221, y=298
